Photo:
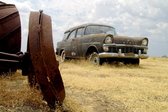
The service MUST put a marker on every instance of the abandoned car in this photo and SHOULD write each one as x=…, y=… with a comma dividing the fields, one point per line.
x=99, y=43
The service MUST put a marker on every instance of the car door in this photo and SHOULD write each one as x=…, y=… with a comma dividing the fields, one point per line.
x=71, y=48
x=78, y=41
x=75, y=38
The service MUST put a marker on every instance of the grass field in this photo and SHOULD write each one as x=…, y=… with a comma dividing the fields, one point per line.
x=91, y=88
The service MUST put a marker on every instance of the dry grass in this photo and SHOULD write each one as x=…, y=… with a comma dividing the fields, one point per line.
x=16, y=96
x=89, y=88
x=113, y=88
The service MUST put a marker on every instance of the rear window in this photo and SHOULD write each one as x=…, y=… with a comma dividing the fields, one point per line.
x=80, y=32
x=72, y=35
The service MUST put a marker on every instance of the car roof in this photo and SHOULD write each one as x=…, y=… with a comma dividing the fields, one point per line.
x=84, y=25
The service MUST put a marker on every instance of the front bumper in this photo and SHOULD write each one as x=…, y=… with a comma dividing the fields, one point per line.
x=123, y=51
x=122, y=55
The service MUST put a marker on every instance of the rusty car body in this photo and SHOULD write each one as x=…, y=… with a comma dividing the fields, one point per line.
x=100, y=43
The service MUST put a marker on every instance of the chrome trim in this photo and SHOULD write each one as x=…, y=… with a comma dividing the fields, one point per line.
x=125, y=45
x=122, y=55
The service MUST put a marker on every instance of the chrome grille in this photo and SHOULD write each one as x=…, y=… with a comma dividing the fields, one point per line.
x=126, y=50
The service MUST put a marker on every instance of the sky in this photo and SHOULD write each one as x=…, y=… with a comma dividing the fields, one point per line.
x=135, y=18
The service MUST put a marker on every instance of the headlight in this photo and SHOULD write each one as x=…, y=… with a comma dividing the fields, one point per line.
x=108, y=40
x=145, y=42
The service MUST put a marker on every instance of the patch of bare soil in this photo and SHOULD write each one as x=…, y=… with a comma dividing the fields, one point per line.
x=95, y=101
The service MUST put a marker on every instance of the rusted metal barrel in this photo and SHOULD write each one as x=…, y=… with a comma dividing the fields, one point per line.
x=40, y=47
x=10, y=29
x=10, y=36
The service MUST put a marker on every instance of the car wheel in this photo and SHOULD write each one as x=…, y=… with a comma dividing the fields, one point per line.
x=94, y=59
x=63, y=56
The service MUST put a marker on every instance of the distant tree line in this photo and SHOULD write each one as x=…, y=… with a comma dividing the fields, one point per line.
x=164, y=56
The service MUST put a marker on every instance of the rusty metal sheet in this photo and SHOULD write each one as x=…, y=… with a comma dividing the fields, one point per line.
x=10, y=29
x=43, y=58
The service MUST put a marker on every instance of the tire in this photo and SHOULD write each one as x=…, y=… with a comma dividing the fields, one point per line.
x=63, y=56
x=94, y=59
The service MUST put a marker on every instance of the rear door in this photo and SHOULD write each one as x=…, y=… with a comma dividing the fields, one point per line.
x=75, y=37
x=78, y=41
x=70, y=47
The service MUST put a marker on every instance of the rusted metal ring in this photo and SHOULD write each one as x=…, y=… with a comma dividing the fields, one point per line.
x=10, y=29
x=40, y=47
x=10, y=37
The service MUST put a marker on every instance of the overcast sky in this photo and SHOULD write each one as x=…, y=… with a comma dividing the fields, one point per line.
x=147, y=18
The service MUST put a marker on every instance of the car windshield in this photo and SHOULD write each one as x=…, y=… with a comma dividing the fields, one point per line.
x=100, y=29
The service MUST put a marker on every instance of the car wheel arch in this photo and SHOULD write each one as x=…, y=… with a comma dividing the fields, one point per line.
x=90, y=50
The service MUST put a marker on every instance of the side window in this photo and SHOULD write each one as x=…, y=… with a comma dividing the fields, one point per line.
x=80, y=32
x=72, y=35
x=88, y=30
x=92, y=30
x=65, y=35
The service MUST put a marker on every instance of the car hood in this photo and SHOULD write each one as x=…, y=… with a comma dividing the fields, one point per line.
x=128, y=40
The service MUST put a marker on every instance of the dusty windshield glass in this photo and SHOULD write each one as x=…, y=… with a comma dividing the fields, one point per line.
x=100, y=29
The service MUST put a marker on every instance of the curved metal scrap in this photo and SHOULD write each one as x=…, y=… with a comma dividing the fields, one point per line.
x=43, y=58
x=10, y=29
x=10, y=37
